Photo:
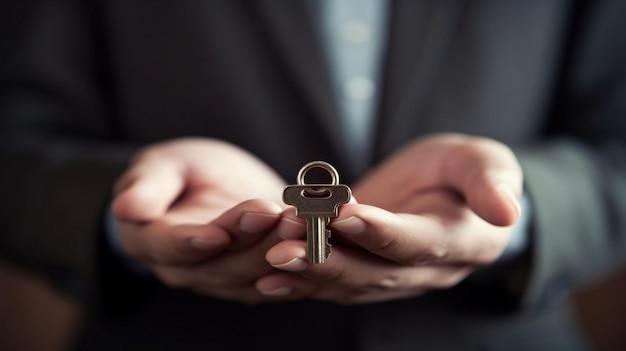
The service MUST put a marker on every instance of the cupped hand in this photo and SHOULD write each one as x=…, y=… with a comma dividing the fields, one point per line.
x=427, y=217
x=183, y=211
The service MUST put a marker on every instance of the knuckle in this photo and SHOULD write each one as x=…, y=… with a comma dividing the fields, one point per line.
x=385, y=283
x=431, y=254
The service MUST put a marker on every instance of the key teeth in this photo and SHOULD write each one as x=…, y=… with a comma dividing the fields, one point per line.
x=327, y=244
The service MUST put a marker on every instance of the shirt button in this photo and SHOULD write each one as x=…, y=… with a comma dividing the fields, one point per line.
x=359, y=88
x=356, y=32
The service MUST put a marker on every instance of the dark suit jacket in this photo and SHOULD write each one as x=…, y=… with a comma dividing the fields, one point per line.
x=84, y=83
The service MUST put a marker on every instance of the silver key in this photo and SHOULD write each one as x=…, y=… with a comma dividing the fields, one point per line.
x=317, y=204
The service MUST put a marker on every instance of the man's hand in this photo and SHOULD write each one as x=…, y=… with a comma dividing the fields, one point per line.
x=184, y=212
x=427, y=217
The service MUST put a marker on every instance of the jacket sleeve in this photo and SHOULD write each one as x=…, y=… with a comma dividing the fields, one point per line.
x=59, y=146
x=577, y=180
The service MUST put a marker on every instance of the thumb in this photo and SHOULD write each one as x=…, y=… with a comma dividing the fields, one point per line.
x=494, y=199
x=148, y=189
x=489, y=177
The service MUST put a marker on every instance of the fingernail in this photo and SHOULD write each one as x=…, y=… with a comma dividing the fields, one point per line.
x=252, y=222
x=508, y=192
x=351, y=226
x=282, y=291
x=203, y=244
x=296, y=264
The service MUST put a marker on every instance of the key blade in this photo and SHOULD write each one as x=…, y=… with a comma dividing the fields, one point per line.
x=318, y=246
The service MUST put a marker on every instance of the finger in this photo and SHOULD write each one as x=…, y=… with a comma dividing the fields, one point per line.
x=286, y=285
x=163, y=243
x=148, y=189
x=489, y=177
x=198, y=282
x=176, y=241
x=291, y=226
x=454, y=235
x=230, y=275
x=353, y=276
x=249, y=222
x=235, y=268
x=405, y=239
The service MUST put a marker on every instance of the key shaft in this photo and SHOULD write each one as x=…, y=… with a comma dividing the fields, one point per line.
x=318, y=246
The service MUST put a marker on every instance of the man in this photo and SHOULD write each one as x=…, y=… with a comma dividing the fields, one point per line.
x=208, y=256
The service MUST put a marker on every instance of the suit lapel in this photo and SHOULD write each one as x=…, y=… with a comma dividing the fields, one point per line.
x=418, y=37
x=290, y=25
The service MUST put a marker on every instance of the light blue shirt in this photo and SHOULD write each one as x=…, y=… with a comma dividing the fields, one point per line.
x=353, y=34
